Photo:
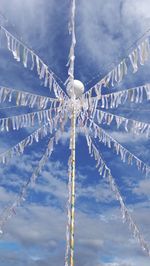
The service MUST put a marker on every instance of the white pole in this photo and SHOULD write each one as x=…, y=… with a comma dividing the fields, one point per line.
x=73, y=158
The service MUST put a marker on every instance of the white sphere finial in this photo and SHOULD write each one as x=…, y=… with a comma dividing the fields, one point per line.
x=78, y=89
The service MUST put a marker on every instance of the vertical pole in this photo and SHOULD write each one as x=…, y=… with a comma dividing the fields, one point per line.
x=73, y=153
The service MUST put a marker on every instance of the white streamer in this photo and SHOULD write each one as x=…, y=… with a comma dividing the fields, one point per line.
x=134, y=60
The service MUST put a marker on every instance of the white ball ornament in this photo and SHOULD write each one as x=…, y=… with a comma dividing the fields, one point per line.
x=78, y=89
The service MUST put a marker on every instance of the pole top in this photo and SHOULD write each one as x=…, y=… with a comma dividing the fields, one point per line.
x=78, y=89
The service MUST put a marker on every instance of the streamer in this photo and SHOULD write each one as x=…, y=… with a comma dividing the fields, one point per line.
x=134, y=60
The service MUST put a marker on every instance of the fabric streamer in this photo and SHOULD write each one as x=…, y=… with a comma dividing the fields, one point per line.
x=144, y=49
x=134, y=60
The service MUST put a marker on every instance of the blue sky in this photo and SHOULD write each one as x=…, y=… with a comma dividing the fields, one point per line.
x=36, y=235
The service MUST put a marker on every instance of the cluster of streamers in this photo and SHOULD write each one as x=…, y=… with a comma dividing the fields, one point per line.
x=38, y=134
x=11, y=210
x=114, y=99
x=137, y=57
x=23, y=98
x=137, y=127
x=31, y=60
x=67, y=255
x=29, y=119
x=135, y=95
x=106, y=173
x=71, y=61
x=125, y=155
x=19, y=148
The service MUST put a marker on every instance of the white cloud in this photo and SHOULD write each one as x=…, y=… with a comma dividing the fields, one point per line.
x=18, y=10
x=101, y=192
x=45, y=227
x=127, y=137
x=142, y=188
x=136, y=11
x=106, y=31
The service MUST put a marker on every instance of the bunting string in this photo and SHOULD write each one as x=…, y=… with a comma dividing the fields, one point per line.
x=125, y=155
x=137, y=127
x=138, y=56
x=38, y=134
x=29, y=119
x=18, y=149
x=106, y=173
x=135, y=95
x=11, y=210
x=114, y=99
x=23, y=98
x=22, y=53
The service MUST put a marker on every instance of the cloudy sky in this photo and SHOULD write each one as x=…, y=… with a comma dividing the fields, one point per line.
x=36, y=234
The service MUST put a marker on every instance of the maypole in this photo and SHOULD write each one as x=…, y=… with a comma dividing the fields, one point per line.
x=72, y=175
x=82, y=111
x=78, y=90
x=75, y=89
x=71, y=92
